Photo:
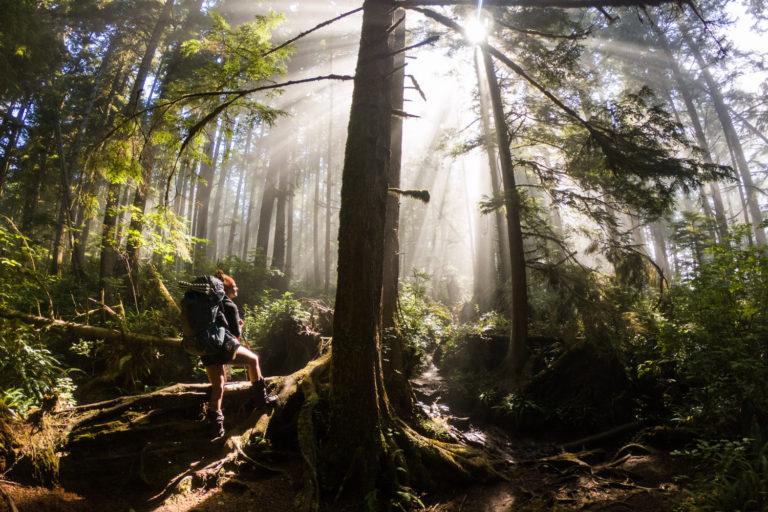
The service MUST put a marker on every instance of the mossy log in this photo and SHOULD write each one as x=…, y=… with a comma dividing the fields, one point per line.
x=77, y=330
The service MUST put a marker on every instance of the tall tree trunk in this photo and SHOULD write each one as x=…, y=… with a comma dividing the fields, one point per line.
x=395, y=376
x=328, y=186
x=251, y=202
x=278, y=252
x=513, y=362
x=356, y=390
x=222, y=191
x=268, y=197
x=733, y=140
x=241, y=183
x=17, y=124
x=316, y=226
x=502, y=240
x=682, y=86
x=108, y=259
x=64, y=224
x=149, y=54
x=660, y=248
x=203, y=199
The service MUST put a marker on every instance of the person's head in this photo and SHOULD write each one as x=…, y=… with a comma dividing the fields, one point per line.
x=230, y=288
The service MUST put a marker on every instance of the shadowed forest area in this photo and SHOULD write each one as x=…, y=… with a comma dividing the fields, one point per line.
x=496, y=256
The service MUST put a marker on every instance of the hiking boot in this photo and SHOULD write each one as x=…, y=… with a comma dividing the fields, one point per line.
x=259, y=388
x=215, y=421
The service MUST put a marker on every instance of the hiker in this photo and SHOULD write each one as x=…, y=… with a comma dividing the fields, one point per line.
x=231, y=353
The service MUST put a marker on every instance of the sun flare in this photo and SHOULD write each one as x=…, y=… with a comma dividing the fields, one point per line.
x=475, y=31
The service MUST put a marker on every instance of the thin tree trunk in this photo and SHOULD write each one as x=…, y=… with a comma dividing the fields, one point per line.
x=515, y=357
x=316, y=225
x=329, y=186
x=502, y=244
x=203, y=199
x=149, y=55
x=222, y=191
x=278, y=252
x=720, y=219
x=17, y=125
x=236, y=216
x=268, y=197
x=733, y=140
x=395, y=376
x=108, y=259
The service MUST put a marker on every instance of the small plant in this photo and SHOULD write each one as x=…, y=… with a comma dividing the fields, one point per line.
x=29, y=370
x=734, y=475
x=259, y=319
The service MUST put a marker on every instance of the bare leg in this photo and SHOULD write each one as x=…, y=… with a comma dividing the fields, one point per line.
x=251, y=360
x=217, y=378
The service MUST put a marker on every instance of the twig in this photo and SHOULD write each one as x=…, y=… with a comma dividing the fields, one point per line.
x=307, y=32
x=603, y=435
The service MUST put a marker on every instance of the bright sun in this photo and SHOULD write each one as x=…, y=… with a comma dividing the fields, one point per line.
x=475, y=31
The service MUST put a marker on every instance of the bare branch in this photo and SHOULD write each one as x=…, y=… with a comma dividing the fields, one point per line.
x=563, y=4
x=307, y=32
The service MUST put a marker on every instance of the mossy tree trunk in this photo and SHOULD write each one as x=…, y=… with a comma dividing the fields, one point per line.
x=356, y=393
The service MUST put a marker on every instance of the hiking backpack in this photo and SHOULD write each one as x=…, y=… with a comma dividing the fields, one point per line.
x=199, y=308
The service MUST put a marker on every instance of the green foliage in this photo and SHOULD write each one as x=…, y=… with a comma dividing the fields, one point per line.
x=733, y=475
x=29, y=371
x=422, y=323
x=30, y=48
x=715, y=332
x=627, y=152
x=258, y=320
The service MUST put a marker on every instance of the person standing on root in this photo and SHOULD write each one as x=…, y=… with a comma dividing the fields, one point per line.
x=231, y=353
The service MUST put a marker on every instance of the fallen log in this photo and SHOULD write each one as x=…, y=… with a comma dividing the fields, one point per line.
x=87, y=331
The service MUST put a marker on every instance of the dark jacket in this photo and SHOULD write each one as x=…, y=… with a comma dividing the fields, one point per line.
x=232, y=316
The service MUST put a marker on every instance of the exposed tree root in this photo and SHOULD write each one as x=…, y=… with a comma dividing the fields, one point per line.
x=158, y=440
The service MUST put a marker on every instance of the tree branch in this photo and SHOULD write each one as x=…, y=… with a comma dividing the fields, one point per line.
x=307, y=32
x=448, y=22
x=563, y=4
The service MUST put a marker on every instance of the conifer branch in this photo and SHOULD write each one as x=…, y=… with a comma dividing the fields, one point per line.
x=307, y=32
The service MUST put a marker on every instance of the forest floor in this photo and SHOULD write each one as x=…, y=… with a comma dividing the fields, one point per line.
x=632, y=478
x=609, y=473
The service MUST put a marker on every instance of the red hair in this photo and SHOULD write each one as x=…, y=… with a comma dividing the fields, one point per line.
x=228, y=281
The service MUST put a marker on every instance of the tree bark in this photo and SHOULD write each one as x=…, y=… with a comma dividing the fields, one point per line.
x=268, y=197
x=513, y=362
x=502, y=240
x=355, y=407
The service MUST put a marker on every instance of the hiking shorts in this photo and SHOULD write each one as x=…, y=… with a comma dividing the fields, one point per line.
x=225, y=355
